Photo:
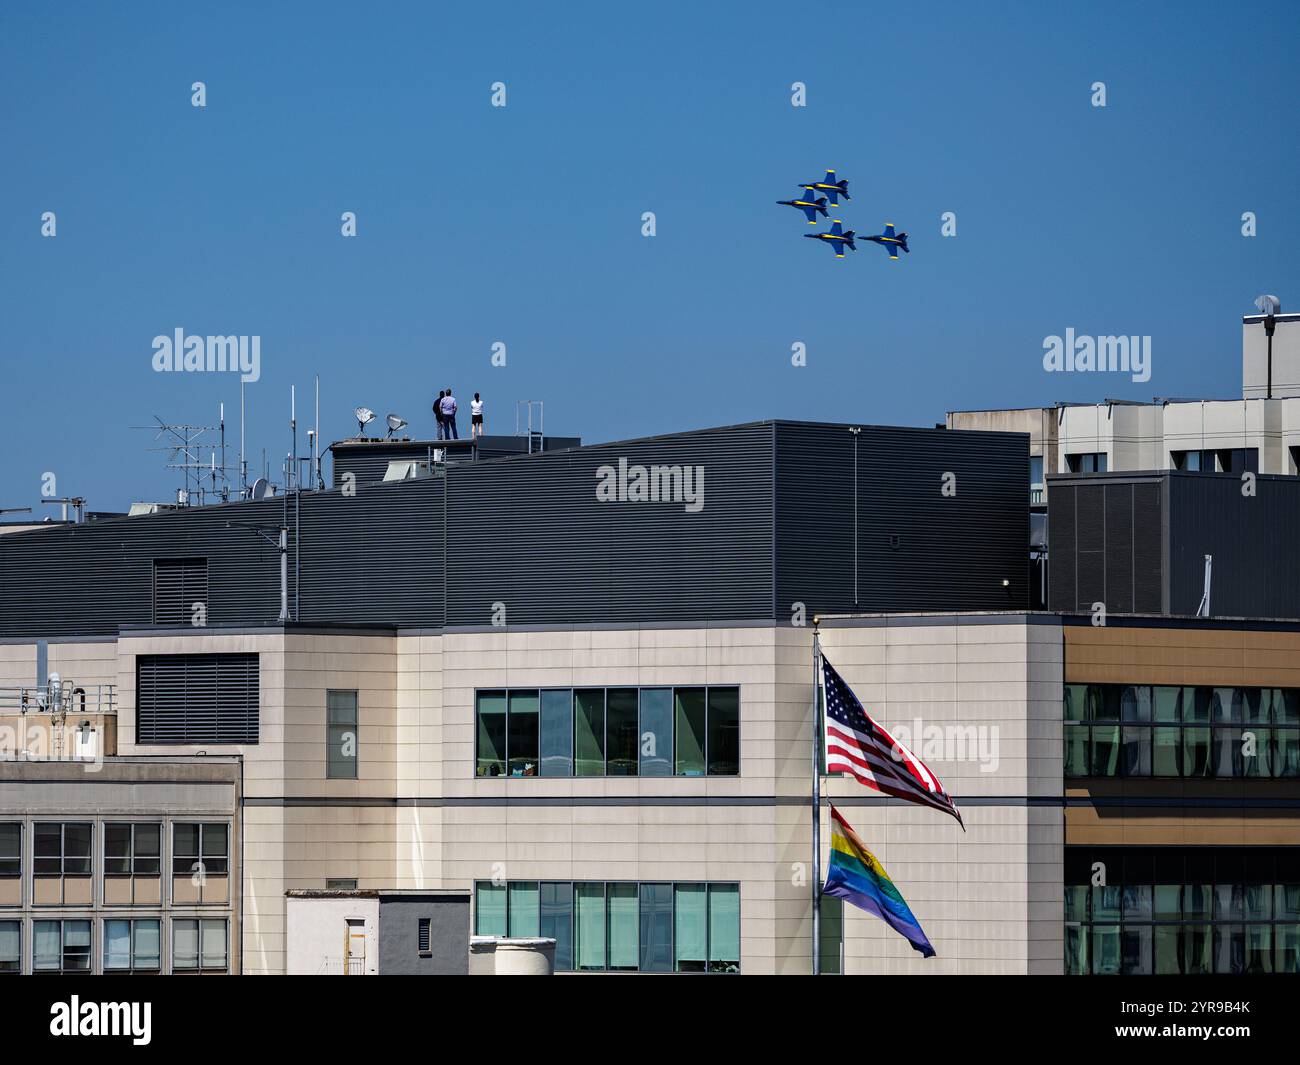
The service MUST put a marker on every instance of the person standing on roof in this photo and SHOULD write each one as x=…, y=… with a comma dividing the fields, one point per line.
x=476, y=416
x=448, y=406
x=437, y=416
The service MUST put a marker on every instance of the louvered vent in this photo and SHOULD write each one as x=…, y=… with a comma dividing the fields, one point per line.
x=179, y=583
x=183, y=699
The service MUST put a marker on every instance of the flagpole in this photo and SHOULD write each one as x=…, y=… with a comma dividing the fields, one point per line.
x=816, y=810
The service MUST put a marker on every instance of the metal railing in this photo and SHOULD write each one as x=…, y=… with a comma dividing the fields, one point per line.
x=61, y=698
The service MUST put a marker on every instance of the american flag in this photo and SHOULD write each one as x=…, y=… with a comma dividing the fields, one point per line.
x=857, y=745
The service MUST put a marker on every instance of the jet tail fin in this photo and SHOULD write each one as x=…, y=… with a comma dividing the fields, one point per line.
x=848, y=239
x=902, y=243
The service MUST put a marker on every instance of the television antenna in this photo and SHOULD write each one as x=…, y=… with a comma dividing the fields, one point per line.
x=200, y=457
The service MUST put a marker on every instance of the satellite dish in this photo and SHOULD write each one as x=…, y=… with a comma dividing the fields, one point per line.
x=395, y=423
x=364, y=417
x=261, y=488
x=1268, y=304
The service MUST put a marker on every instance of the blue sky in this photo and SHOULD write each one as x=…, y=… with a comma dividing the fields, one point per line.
x=523, y=224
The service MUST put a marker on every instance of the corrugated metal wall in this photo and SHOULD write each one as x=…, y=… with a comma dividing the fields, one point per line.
x=1252, y=539
x=916, y=548
x=1106, y=538
x=530, y=533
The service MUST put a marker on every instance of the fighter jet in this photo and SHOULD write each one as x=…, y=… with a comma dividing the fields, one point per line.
x=808, y=205
x=831, y=187
x=837, y=238
x=890, y=241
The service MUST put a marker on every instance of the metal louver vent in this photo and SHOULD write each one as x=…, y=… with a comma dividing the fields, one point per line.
x=178, y=583
x=200, y=698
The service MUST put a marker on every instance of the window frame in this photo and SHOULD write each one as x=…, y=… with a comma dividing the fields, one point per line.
x=330, y=734
x=483, y=762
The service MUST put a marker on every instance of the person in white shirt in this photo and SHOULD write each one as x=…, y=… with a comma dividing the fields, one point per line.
x=476, y=416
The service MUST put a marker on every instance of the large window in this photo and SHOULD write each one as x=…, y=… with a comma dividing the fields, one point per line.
x=200, y=863
x=132, y=946
x=586, y=732
x=619, y=926
x=199, y=945
x=61, y=946
x=199, y=698
x=61, y=863
x=1164, y=910
x=132, y=863
x=1129, y=730
x=341, y=735
x=11, y=863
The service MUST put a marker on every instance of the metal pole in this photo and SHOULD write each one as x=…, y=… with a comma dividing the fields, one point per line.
x=284, y=573
x=816, y=812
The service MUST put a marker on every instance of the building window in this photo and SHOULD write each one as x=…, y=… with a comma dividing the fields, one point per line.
x=341, y=884
x=198, y=945
x=132, y=864
x=11, y=946
x=341, y=735
x=200, y=863
x=424, y=938
x=180, y=590
x=11, y=863
x=619, y=926
x=1087, y=462
x=133, y=946
x=1172, y=910
x=61, y=946
x=831, y=935
x=649, y=732
x=199, y=698
x=1141, y=731
x=61, y=864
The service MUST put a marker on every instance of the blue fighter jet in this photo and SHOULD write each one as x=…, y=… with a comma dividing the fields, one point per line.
x=808, y=205
x=838, y=238
x=831, y=187
x=890, y=241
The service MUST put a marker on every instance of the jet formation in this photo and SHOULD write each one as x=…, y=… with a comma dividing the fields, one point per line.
x=812, y=203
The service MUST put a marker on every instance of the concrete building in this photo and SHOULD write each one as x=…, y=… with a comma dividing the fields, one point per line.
x=586, y=706
x=1257, y=433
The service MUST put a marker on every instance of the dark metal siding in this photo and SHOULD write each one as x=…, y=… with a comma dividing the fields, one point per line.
x=1115, y=531
x=917, y=549
x=1252, y=539
x=89, y=579
x=530, y=533
x=369, y=462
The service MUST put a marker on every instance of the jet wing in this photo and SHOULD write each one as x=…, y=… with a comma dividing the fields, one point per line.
x=889, y=231
x=836, y=228
x=811, y=212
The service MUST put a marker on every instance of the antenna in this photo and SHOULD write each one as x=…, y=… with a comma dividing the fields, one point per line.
x=364, y=417
x=195, y=456
x=394, y=424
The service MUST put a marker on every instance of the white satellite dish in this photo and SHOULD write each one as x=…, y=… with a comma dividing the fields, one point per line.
x=1268, y=304
x=395, y=423
x=261, y=488
x=364, y=417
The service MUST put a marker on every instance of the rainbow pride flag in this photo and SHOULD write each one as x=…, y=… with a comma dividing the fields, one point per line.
x=856, y=876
